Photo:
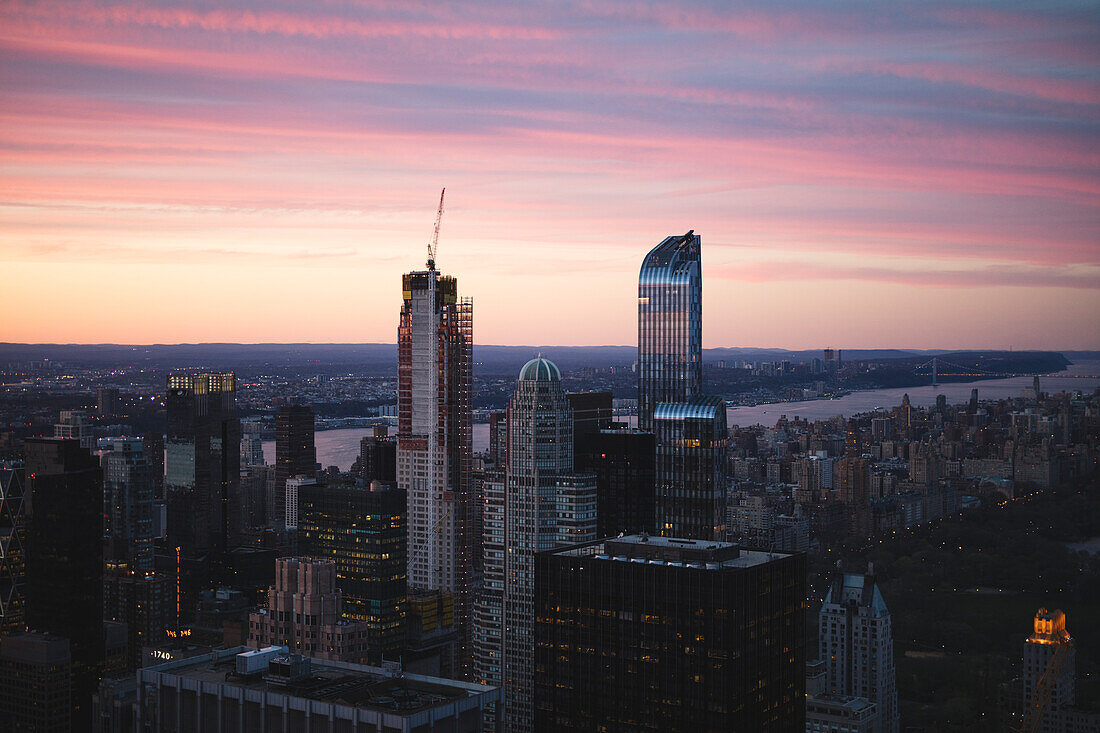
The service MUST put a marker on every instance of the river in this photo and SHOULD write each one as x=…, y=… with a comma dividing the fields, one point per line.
x=341, y=447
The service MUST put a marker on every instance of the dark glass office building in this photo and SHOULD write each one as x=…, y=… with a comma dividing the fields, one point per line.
x=378, y=457
x=203, y=460
x=670, y=325
x=659, y=633
x=295, y=454
x=64, y=554
x=691, y=442
x=366, y=533
x=623, y=461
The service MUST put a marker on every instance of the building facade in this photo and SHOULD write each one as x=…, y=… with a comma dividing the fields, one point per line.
x=202, y=460
x=305, y=613
x=35, y=684
x=623, y=461
x=857, y=645
x=670, y=634
x=295, y=454
x=64, y=558
x=128, y=504
x=691, y=441
x=13, y=568
x=365, y=532
x=435, y=424
x=545, y=505
x=670, y=325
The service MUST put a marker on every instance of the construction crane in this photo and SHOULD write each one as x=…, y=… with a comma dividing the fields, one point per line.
x=1040, y=696
x=433, y=245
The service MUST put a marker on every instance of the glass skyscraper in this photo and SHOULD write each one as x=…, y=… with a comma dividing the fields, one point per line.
x=691, y=440
x=670, y=325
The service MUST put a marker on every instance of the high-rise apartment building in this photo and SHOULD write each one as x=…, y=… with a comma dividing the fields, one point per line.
x=295, y=454
x=365, y=532
x=13, y=537
x=435, y=425
x=64, y=558
x=1047, y=687
x=691, y=440
x=305, y=613
x=545, y=505
x=202, y=461
x=857, y=645
x=669, y=634
x=670, y=325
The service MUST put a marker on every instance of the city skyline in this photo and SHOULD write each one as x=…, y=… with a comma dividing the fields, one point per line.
x=922, y=175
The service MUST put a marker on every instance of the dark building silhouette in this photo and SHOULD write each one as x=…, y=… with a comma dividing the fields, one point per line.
x=498, y=437
x=203, y=460
x=13, y=531
x=128, y=505
x=64, y=550
x=378, y=457
x=591, y=414
x=35, y=684
x=661, y=633
x=295, y=453
x=623, y=461
x=365, y=532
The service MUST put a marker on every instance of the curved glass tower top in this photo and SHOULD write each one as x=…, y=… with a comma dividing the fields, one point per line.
x=670, y=325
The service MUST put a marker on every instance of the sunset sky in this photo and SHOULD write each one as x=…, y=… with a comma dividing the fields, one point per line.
x=863, y=174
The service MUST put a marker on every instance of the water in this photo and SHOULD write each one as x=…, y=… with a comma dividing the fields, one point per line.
x=341, y=447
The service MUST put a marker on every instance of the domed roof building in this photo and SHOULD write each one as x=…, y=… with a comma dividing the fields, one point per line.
x=540, y=370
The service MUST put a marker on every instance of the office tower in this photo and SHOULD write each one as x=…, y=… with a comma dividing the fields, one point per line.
x=143, y=602
x=305, y=613
x=856, y=643
x=623, y=461
x=661, y=633
x=295, y=454
x=127, y=504
x=434, y=397
x=365, y=532
x=153, y=447
x=106, y=401
x=76, y=424
x=13, y=539
x=202, y=463
x=488, y=618
x=271, y=690
x=35, y=684
x=294, y=484
x=546, y=505
x=64, y=558
x=378, y=457
x=670, y=325
x=252, y=444
x=691, y=440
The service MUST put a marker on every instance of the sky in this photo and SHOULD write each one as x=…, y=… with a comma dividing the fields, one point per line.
x=863, y=174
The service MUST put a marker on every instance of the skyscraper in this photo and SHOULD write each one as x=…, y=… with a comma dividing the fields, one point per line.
x=623, y=461
x=13, y=531
x=127, y=504
x=295, y=454
x=435, y=350
x=857, y=644
x=669, y=634
x=64, y=551
x=670, y=325
x=202, y=464
x=545, y=505
x=364, y=531
x=691, y=440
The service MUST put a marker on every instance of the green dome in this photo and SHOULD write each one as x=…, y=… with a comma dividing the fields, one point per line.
x=539, y=370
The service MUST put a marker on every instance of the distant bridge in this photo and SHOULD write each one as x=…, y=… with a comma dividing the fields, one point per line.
x=935, y=365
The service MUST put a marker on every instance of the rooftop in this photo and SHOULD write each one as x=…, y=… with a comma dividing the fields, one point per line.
x=674, y=552
x=340, y=683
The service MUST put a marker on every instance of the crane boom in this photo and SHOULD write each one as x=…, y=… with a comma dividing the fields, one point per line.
x=433, y=245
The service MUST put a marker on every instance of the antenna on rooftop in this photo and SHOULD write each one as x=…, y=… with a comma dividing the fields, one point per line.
x=433, y=245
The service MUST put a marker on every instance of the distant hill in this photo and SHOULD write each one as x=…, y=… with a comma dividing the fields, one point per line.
x=382, y=358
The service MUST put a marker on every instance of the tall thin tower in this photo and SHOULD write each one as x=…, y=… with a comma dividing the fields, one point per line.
x=670, y=325
x=435, y=353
